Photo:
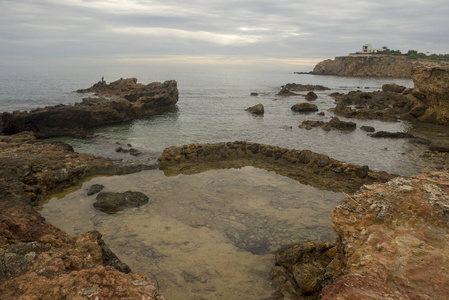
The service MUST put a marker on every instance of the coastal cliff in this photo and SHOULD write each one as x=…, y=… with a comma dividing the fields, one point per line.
x=130, y=100
x=431, y=92
x=366, y=66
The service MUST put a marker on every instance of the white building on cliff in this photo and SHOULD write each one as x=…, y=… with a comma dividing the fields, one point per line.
x=368, y=48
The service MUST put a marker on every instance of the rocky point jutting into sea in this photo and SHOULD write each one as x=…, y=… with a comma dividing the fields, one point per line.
x=392, y=235
x=366, y=65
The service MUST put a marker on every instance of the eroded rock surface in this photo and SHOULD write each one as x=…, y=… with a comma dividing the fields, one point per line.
x=37, y=259
x=392, y=243
x=366, y=65
x=306, y=166
x=431, y=92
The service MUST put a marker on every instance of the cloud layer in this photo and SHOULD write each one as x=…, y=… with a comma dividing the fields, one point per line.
x=250, y=30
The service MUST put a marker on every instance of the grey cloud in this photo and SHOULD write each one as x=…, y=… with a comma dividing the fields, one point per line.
x=277, y=29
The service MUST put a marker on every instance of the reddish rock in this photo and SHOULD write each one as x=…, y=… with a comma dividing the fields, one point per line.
x=37, y=259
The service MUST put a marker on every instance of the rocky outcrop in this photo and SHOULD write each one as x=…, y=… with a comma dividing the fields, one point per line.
x=48, y=263
x=297, y=87
x=256, y=109
x=333, y=123
x=304, y=107
x=290, y=88
x=431, y=92
x=392, y=242
x=366, y=66
x=135, y=101
x=305, y=166
x=392, y=103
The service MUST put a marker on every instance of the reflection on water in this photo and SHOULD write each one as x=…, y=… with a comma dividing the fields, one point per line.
x=210, y=235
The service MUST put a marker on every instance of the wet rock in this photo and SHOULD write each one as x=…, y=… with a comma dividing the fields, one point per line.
x=95, y=189
x=342, y=125
x=305, y=87
x=300, y=269
x=393, y=135
x=311, y=96
x=110, y=202
x=367, y=128
x=256, y=109
x=285, y=92
x=304, y=107
x=393, y=87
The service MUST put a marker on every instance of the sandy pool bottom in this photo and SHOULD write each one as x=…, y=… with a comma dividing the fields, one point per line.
x=210, y=235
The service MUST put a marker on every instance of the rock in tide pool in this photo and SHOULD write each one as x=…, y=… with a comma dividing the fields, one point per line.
x=95, y=189
x=110, y=202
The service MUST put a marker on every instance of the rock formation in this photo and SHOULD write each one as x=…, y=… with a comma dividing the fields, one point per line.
x=392, y=243
x=38, y=260
x=392, y=103
x=333, y=123
x=306, y=166
x=366, y=66
x=256, y=109
x=110, y=202
x=304, y=107
x=431, y=92
x=135, y=101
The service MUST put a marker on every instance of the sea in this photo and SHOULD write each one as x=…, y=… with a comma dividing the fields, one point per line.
x=211, y=108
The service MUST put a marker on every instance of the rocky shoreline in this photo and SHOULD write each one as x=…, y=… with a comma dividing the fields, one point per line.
x=391, y=234
x=38, y=260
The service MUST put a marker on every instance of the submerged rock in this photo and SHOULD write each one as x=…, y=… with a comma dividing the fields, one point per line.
x=110, y=202
x=95, y=189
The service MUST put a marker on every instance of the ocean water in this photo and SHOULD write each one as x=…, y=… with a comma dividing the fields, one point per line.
x=211, y=109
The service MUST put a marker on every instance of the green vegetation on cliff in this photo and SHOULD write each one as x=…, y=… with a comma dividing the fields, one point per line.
x=412, y=54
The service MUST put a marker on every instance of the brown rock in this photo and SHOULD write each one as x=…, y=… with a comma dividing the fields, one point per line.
x=393, y=87
x=304, y=107
x=256, y=109
x=431, y=89
x=72, y=120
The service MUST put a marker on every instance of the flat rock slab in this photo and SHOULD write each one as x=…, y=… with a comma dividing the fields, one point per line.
x=110, y=202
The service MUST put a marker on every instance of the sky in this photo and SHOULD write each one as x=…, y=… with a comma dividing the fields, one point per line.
x=246, y=32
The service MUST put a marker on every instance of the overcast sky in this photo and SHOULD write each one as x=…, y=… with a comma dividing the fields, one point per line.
x=215, y=31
